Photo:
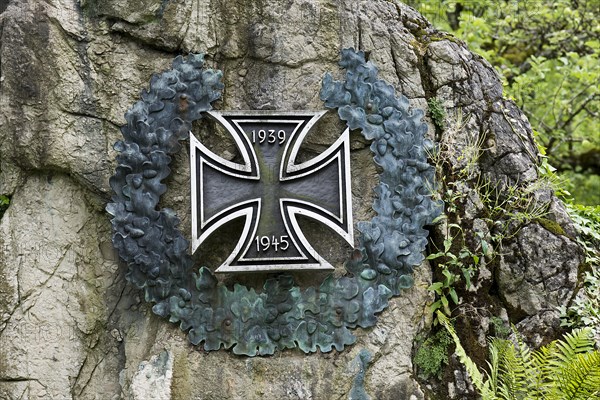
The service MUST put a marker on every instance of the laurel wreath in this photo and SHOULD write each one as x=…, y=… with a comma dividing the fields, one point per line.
x=283, y=315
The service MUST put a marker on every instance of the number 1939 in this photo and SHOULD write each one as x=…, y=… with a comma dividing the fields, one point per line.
x=269, y=136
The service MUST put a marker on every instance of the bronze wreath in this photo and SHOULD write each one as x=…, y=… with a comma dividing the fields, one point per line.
x=282, y=315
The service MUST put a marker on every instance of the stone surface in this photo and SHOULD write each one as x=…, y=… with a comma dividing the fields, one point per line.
x=539, y=327
x=153, y=378
x=69, y=325
x=545, y=274
x=57, y=267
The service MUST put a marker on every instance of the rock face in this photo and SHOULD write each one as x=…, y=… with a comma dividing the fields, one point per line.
x=70, y=327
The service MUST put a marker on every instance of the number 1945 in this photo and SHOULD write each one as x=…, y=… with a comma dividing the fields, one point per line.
x=264, y=243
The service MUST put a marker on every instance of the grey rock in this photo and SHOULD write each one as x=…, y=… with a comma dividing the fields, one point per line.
x=541, y=328
x=538, y=270
x=153, y=378
x=69, y=325
x=58, y=291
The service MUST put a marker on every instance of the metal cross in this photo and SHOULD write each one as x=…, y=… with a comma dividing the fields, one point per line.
x=270, y=189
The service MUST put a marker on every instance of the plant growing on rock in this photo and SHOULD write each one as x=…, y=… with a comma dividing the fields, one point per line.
x=585, y=309
x=564, y=369
x=501, y=209
x=4, y=202
x=432, y=354
x=548, y=55
x=438, y=113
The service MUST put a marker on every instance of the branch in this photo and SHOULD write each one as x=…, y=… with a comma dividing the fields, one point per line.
x=579, y=109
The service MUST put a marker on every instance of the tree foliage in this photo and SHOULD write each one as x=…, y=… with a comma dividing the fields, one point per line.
x=548, y=54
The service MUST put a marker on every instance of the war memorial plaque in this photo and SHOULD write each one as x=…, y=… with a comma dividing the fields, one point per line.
x=269, y=189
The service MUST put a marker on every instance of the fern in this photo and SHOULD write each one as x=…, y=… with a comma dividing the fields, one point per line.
x=517, y=370
x=493, y=366
x=582, y=379
x=511, y=370
x=543, y=377
x=577, y=366
x=567, y=369
x=476, y=377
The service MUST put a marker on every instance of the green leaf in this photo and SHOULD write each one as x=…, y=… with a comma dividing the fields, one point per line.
x=476, y=377
x=434, y=256
x=445, y=304
x=485, y=247
x=436, y=287
x=447, y=245
x=449, y=277
x=435, y=306
x=467, y=275
x=464, y=253
x=453, y=295
x=439, y=218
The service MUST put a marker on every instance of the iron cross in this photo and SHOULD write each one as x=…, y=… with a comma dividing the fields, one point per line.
x=269, y=189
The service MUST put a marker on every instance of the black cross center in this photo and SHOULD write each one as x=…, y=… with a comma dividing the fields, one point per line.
x=270, y=188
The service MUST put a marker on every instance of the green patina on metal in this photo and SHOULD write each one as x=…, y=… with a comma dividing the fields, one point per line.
x=283, y=315
x=362, y=361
